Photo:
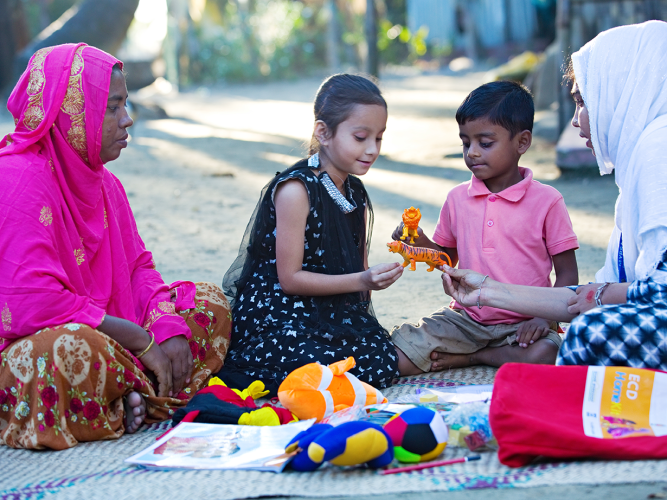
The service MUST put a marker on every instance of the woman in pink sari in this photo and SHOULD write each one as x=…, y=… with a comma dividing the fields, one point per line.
x=93, y=342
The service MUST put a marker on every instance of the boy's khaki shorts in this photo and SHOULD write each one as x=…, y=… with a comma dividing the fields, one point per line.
x=453, y=331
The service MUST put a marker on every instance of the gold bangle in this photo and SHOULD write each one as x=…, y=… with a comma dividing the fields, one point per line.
x=149, y=345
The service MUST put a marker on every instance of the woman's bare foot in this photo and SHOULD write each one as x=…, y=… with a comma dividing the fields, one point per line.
x=135, y=412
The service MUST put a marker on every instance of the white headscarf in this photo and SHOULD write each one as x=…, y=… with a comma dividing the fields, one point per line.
x=622, y=76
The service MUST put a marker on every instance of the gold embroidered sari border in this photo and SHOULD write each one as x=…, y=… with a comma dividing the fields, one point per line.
x=74, y=106
x=34, y=113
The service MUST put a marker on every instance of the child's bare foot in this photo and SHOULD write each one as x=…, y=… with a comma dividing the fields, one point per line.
x=135, y=412
x=445, y=361
x=543, y=351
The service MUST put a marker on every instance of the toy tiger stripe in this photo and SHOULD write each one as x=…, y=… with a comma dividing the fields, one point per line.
x=412, y=255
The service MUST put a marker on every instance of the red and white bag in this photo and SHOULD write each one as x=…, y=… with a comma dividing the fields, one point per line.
x=573, y=412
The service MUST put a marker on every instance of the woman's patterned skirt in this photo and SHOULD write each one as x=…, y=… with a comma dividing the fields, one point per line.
x=66, y=384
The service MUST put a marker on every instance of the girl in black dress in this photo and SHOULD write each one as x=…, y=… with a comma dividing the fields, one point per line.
x=301, y=284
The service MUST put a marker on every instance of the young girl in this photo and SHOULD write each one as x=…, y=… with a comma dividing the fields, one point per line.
x=301, y=283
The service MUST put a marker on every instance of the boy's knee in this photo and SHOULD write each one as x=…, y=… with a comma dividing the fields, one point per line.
x=542, y=352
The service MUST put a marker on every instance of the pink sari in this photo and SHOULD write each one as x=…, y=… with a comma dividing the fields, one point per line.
x=70, y=252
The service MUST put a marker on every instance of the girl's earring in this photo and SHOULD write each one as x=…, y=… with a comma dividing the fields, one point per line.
x=314, y=161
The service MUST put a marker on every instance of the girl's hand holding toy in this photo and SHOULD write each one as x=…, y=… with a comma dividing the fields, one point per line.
x=381, y=276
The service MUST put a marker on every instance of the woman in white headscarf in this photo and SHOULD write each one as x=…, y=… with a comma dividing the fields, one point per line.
x=620, y=89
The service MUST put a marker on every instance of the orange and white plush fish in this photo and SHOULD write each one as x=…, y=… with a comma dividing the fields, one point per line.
x=317, y=391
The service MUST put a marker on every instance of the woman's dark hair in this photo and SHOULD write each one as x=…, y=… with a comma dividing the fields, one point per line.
x=118, y=68
x=504, y=103
x=336, y=99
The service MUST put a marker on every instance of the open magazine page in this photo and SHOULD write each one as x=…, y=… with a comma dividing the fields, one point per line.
x=214, y=446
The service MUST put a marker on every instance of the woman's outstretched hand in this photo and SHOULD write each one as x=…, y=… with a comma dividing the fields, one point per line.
x=158, y=362
x=381, y=276
x=178, y=351
x=462, y=285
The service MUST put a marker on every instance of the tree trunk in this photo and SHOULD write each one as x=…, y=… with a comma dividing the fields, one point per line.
x=372, y=56
x=563, y=37
x=100, y=23
x=7, y=45
x=333, y=46
x=13, y=37
x=245, y=10
x=469, y=31
x=507, y=28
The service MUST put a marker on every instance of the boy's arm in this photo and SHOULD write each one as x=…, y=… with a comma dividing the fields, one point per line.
x=453, y=255
x=565, y=265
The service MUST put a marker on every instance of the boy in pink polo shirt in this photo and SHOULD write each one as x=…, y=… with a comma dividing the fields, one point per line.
x=501, y=223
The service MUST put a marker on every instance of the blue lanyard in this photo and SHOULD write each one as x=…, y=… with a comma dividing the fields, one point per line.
x=622, y=278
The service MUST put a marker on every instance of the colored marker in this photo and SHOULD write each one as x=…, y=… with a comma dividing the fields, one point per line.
x=428, y=465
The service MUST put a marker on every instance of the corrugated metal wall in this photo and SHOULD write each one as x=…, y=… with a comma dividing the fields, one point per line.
x=489, y=17
x=439, y=16
x=587, y=18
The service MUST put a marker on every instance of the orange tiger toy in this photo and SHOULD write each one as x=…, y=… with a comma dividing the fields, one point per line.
x=411, y=218
x=412, y=255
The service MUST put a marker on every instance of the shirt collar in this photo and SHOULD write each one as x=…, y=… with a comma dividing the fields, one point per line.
x=512, y=193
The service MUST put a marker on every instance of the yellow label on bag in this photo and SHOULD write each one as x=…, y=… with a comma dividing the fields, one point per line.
x=622, y=402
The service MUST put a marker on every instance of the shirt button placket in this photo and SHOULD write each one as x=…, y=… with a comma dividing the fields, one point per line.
x=492, y=199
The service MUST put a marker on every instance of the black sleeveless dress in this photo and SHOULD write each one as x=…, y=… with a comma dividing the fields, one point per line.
x=273, y=332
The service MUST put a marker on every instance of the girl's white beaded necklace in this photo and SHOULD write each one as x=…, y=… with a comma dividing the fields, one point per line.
x=330, y=186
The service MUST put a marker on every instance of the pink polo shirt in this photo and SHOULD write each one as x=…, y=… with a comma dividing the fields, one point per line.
x=511, y=235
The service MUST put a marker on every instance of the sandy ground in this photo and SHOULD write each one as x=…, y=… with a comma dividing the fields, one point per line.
x=194, y=178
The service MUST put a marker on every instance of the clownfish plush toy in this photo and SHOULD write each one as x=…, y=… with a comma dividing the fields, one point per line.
x=317, y=391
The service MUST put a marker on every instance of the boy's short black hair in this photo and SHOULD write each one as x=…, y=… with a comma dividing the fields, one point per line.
x=508, y=104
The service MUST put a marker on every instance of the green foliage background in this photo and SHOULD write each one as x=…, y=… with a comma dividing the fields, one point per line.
x=255, y=40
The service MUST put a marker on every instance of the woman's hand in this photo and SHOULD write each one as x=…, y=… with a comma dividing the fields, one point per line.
x=381, y=276
x=584, y=299
x=135, y=339
x=158, y=362
x=178, y=351
x=462, y=285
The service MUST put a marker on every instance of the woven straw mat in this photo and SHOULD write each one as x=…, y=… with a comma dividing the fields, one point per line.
x=97, y=469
